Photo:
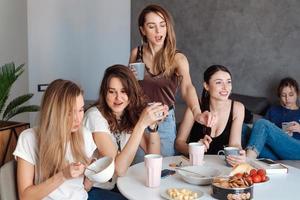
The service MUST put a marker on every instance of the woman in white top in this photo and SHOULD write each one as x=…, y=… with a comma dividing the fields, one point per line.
x=119, y=118
x=52, y=157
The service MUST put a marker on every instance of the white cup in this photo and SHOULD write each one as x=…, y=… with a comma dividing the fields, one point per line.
x=139, y=68
x=153, y=164
x=196, y=153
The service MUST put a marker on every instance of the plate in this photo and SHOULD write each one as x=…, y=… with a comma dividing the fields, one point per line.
x=207, y=171
x=165, y=195
x=267, y=179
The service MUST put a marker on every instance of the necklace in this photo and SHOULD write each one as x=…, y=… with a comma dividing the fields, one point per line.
x=118, y=140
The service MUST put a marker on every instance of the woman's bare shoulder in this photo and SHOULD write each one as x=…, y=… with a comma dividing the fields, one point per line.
x=180, y=57
x=181, y=63
x=238, y=107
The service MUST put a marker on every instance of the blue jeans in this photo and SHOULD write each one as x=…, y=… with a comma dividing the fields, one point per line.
x=269, y=141
x=167, y=132
x=103, y=194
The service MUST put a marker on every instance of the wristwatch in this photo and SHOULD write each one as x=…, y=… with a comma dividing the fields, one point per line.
x=152, y=130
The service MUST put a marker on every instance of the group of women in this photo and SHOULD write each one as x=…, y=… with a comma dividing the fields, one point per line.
x=126, y=121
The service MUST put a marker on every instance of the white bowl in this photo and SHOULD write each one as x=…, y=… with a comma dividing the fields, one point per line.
x=208, y=174
x=104, y=167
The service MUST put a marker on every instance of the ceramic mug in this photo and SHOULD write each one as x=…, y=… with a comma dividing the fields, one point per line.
x=139, y=68
x=229, y=151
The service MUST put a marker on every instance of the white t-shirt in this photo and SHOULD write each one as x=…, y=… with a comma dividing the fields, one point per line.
x=71, y=189
x=95, y=122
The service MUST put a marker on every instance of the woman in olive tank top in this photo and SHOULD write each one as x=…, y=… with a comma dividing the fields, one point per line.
x=227, y=131
x=166, y=71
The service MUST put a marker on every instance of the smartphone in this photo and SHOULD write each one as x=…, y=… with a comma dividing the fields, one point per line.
x=167, y=172
x=267, y=161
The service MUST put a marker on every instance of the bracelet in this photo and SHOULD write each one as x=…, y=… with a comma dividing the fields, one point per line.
x=153, y=130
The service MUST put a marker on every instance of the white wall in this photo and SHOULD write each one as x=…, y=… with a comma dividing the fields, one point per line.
x=76, y=40
x=13, y=44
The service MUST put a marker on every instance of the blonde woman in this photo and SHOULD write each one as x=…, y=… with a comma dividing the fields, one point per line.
x=167, y=69
x=52, y=157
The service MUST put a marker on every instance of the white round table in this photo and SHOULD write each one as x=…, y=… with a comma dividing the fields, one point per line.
x=132, y=185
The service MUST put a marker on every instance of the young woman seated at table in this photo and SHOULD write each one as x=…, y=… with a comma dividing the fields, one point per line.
x=51, y=158
x=230, y=115
x=120, y=117
x=267, y=139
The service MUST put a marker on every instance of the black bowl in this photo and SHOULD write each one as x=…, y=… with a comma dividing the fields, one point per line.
x=232, y=193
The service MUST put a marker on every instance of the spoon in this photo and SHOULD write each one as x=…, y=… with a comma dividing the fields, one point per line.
x=91, y=170
x=195, y=173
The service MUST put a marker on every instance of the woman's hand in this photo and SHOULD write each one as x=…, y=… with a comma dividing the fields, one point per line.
x=206, y=118
x=87, y=184
x=73, y=170
x=294, y=127
x=153, y=114
x=206, y=141
x=234, y=160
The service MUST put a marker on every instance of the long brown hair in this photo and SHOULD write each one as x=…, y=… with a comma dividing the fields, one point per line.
x=54, y=129
x=137, y=100
x=164, y=59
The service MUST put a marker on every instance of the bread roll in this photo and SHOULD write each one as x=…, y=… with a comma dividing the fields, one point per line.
x=241, y=168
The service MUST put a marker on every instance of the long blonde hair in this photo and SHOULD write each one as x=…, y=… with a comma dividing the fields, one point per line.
x=54, y=130
x=164, y=58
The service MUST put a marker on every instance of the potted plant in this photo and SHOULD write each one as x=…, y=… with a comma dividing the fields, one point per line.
x=9, y=130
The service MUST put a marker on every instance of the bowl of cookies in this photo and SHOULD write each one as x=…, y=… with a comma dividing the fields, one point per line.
x=232, y=188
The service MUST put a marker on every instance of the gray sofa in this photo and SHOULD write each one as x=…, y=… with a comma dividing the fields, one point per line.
x=255, y=107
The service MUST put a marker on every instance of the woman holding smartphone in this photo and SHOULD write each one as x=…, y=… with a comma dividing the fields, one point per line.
x=267, y=139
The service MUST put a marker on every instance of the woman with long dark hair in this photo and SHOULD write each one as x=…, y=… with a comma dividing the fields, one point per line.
x=121, y=120
x=217, y=87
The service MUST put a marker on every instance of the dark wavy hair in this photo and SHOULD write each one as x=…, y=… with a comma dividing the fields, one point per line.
x=287, y=82
x=136, y=97
x=209, y=72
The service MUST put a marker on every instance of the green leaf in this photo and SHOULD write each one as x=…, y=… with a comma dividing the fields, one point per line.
x=16, y=102
x=3, y=99
x=21, y=109
x=9, y=73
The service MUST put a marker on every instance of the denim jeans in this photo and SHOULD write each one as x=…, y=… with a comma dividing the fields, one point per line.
x=269, y=141
x=103, y=194
x=167, y=133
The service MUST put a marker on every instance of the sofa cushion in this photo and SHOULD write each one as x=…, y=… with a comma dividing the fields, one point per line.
x=257, y=105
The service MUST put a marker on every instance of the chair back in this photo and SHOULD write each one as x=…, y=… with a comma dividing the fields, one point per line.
x=8, y=186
